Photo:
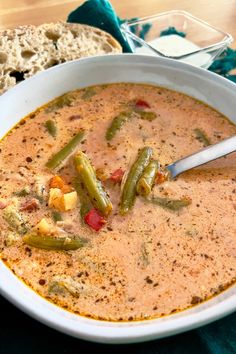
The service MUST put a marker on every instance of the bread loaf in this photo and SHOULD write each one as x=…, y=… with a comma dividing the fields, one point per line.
x=28, y=49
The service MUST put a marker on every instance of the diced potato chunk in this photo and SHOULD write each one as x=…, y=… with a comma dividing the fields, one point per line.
x=62, y=202
x=43, y=227
x=70, y=200
x=55, y=198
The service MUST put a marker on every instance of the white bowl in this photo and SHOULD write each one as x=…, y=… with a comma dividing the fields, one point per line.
x=27, y=96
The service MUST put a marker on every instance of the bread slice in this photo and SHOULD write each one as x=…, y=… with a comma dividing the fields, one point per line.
x=28, y=49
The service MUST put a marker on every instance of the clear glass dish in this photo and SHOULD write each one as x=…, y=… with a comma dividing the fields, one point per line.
x=200, y=46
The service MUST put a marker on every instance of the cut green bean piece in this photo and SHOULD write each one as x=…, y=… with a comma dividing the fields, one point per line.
x=14, y=219
x=51, y=127
x=23, y=192
x=56, y=216
x=170, y=204
x=59, y=157
x=117, y=124
x=60, y=102
x=62, y=284
x=147, y=180
x=53, y=243
x=129, y=189
x=84, y=209
x=202, y=137
x=150, y=116
x=96, y=192
x=88, y=93
x=80, y=189
x=85, y=204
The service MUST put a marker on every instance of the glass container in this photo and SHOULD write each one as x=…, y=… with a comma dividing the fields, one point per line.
x=177, y=35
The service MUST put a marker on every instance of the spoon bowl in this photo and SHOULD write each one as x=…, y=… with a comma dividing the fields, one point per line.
x=210, y=153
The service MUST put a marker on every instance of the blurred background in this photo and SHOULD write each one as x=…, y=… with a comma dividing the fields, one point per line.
x=219, y=13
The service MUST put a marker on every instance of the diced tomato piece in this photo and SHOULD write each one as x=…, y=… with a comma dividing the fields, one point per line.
x=161, y=177
x=2, y=205
x=117, y=175
x=94, y=219
x=30, y=205
x=58, y=182
x=141, y=104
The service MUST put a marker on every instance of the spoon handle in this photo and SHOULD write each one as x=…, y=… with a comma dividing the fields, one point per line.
x=203, y=156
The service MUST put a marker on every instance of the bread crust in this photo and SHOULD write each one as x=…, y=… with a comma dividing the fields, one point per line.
x=27, y=50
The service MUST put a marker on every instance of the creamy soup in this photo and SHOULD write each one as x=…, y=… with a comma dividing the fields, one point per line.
x=76, y=227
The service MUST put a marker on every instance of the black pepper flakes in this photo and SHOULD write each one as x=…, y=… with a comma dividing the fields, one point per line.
x=29, y=159
x=195, y=300
x=42, y=282
x=28, y=251
x=148, y=280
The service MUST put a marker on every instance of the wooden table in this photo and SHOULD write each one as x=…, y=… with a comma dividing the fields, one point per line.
x=219, y=13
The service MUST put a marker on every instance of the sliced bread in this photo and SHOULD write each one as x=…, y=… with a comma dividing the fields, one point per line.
x=28, y=49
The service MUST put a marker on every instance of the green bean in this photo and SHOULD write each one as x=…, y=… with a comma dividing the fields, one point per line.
x=202, y=137
x=129, y=189
x=51, y=127
x=61, y=155
x=116, y=124
x=147, y=180
x=87, y=175
x=14, y=219
x=39, y=198
x=23, y=192
x=56, y=216
x=61, y=284
x=79, y=187
x=85, y=204
x=84, y=209
x=150, y=116
x=88, y=93
x=53, y=243
x=170, y=204
x=60, y=102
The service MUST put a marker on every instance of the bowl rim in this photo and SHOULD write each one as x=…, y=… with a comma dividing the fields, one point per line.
x=101, y=331
x=140, y=331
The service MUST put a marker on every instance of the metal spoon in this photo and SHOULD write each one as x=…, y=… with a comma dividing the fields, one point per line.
x=203, y=156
